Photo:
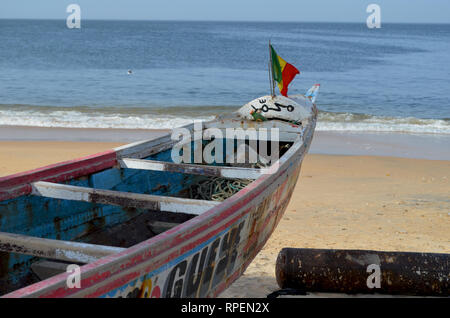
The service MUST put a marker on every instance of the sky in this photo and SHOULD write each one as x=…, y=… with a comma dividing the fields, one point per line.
x=401, y=11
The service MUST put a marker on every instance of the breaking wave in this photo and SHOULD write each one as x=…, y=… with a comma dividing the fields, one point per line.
x=368, y=123
x=170, y=117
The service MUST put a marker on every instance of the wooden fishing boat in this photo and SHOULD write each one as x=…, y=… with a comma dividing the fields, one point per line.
x=127, y=219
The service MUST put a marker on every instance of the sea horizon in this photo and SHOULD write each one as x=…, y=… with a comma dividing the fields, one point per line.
x=226, y=21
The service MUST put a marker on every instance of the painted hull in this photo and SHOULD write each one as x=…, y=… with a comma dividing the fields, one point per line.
x=198, y=258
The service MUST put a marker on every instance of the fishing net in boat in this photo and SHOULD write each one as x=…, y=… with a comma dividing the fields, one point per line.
x=217, y=189
x=220, y=189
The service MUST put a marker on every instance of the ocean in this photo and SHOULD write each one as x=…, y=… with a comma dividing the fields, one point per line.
x=393, y=79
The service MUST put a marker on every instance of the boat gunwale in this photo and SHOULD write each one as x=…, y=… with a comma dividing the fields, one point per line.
x=228, y=211
x=19, y=184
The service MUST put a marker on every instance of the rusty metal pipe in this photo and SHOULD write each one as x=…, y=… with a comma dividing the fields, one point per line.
x=361, y=271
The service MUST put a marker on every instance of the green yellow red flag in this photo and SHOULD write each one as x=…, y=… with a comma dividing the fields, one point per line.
x=282, y=72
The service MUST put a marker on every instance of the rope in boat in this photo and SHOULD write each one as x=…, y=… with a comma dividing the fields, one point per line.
x=217, y=189
x=220, y=189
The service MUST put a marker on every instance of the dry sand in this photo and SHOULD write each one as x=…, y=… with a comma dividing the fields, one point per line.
x=18, y=156
x=357, y=202
x=342, y=202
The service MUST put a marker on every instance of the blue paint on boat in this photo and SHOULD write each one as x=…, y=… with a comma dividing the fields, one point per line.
x=73, y=220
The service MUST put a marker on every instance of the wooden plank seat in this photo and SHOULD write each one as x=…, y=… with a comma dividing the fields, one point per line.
x=74, y=252
x=123, y=199
x=204, y=170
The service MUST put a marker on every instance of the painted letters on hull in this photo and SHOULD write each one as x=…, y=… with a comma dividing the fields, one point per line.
x=209, y=268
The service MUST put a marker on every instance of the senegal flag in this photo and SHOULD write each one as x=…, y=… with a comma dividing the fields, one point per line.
x=282, y=72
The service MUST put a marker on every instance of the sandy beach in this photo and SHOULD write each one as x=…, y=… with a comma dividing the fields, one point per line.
x=342, y=202
x=357, y=202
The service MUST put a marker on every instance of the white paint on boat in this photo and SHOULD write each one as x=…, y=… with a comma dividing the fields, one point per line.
x=207, y=170
x=137, y=200
x=294, y=108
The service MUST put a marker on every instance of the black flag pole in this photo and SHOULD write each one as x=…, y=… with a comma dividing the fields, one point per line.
x=272, y=82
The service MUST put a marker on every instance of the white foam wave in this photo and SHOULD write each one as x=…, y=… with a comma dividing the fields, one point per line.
x=141, y=120
x=75, y=119
x=360, y=122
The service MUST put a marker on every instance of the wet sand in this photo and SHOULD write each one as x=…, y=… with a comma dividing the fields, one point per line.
x=423, y=146
x=340, y=202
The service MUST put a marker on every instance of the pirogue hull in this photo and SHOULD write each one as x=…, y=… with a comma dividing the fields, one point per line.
x=199, y=257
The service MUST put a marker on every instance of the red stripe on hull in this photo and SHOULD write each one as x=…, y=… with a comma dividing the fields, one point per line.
x=19, y=184
x=149, y=253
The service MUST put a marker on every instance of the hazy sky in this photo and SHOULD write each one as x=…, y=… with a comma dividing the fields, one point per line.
x=409, y=11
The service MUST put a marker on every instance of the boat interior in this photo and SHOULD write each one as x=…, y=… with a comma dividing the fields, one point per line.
x=89, y=217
